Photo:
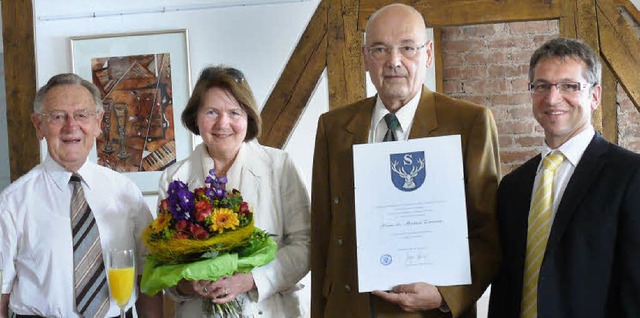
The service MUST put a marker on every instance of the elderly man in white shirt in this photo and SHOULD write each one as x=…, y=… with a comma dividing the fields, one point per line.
x=37, y=244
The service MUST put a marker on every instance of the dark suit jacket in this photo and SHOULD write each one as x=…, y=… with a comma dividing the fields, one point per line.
x=333, y=256
x=591, y=267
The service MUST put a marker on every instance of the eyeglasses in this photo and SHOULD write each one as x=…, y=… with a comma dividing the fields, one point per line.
x=565, y=88
x=380, y=52
x=59, y=117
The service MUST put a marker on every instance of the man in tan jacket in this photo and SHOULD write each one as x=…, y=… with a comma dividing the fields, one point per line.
x=397, y=55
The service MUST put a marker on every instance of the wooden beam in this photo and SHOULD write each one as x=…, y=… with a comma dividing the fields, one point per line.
x=567, y=22
x=20, y=77
x=619, y=46
x=345, y=69
x=609, y=105
x=439, y=13
x=297, y=82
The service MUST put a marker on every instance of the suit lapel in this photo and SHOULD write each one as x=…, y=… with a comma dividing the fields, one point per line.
x=584, y=175
x=520, y=193
x=359, y=123
x=425, y=120
x=252, y=167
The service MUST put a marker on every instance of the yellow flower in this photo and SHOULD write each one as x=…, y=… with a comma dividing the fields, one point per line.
x=224, y=218
x=162, y=222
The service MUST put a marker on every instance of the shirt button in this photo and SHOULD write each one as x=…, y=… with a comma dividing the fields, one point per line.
x=347, y=288
x=340, y=242
x=336, y=200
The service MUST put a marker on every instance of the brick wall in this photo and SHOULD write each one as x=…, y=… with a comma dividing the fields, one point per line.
x=628, y=122
x=488, y=64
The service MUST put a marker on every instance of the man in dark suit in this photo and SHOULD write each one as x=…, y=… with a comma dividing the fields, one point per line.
x=589, y=258
x=397, y=55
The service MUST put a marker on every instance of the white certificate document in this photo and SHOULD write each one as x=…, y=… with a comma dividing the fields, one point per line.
x=411, y=219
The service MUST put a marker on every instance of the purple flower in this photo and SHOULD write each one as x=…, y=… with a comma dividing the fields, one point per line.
x=181, y=200
x=216, y=185
x=175, y=186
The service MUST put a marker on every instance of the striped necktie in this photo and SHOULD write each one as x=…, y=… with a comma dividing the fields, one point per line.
x=392, y=125
x=538, y=233
x=90, y=280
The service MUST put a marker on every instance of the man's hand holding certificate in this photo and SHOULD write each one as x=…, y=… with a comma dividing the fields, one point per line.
x=411, y=223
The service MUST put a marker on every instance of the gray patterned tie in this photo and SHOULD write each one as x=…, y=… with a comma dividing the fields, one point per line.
x=90, y=280
x=392, y=124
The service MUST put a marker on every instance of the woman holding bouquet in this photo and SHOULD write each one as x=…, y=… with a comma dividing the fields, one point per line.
x=223, y=111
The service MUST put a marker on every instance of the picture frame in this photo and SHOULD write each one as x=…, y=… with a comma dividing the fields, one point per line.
x=145, y=82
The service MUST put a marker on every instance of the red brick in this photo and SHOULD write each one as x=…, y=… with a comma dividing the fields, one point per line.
x=633, y=145
x=521, y=57
x=498, y=57
x=520, y=85
x=510, y=43
x=500, y=113
x=452, y=87
x=538, y=40
x=462, y=45
x=505, y=141
x=521, y=98
x=450, y=33
x=499, y=99
x=478, y=58
x=521, y=112
x=480, y=100
x=515, y=127
x=452, y=59
x=530, y=27
x=479, y=30
x=503, y=71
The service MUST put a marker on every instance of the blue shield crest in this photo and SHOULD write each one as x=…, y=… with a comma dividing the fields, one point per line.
x=408, y=170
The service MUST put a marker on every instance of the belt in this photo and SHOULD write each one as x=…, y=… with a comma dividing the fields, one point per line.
x=129, y=314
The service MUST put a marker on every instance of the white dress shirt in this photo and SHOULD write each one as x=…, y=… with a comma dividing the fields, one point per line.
x=405, y=115
x=572, y=149
x=271, y=184
x=36, y=240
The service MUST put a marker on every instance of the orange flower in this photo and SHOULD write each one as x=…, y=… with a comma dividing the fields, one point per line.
x=224, y=218
x=161, y=223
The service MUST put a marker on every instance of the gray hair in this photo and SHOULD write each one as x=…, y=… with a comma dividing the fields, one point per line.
x=66, y=79
x=566, y=48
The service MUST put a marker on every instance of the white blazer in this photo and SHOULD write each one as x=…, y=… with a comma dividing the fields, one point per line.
x=270, y=182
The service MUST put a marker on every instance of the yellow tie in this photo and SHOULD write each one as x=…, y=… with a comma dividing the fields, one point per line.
x=538, y=233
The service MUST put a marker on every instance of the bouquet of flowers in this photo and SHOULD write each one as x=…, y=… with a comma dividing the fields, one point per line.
x=203, y=235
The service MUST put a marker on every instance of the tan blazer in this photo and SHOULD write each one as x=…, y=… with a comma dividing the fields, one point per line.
x=333, y=240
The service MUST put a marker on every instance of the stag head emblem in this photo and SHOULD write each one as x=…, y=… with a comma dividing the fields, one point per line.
x=408, y=170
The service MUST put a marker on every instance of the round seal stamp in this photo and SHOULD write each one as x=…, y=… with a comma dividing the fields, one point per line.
x=386, y=259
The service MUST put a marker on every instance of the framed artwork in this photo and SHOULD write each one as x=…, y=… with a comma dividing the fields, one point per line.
x=144, y=81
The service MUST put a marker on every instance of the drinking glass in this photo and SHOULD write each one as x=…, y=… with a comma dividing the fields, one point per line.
x=121, y=272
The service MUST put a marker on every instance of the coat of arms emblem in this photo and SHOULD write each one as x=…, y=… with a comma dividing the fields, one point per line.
x=408, y=170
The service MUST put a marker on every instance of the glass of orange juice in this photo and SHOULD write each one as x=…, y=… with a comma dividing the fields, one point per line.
x=121, y=273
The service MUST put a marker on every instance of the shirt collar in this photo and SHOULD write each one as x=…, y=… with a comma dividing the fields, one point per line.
x=574, y=148
x=61, y=176
x=404, y=114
